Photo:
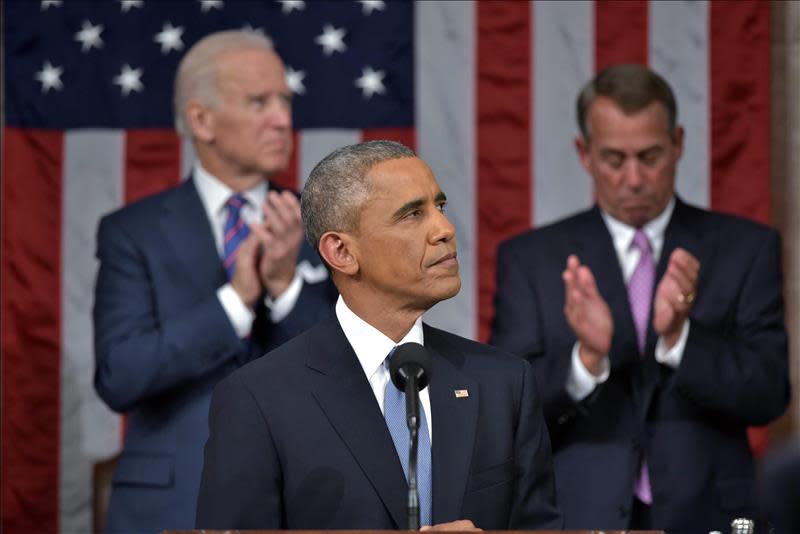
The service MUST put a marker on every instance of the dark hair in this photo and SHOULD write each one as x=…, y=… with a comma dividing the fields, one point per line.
x=632, y=87
x=337, y=186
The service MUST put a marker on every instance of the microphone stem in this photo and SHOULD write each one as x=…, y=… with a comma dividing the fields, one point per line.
x=412, y=412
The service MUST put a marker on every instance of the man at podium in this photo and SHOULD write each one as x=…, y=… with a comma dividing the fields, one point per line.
x=306, y=437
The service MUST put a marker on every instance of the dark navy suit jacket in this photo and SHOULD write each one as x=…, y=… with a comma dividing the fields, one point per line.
x=690, y=422
x=163, y=341
x=298, y=441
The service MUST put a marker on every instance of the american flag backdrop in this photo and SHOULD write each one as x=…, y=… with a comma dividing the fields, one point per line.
x=483, y=91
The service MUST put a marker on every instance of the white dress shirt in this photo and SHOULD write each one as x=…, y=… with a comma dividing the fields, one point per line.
x=372, y=347
x=580, y=382
x=214, y=194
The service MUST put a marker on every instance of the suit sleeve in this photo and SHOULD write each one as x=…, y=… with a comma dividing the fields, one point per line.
x=740, y=371
x=241, y=482
x=518, y=328
x=139, y=354
x=534, y=505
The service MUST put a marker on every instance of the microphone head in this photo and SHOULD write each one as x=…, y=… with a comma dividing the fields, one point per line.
x=410, y=359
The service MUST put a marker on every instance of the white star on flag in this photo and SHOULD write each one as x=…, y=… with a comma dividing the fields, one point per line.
x=208, y=5
x=371, y=82
x=126, y=5
x=287, y=6
x=50, y=77
x=169, y=38
x=331, y=40
x=259, y=31
x=368, y=6
x=89, y=36
x=129, y=80
x=45, y=5
x=294, y=79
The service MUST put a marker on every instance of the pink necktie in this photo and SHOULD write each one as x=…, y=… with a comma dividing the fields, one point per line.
x=640, y=295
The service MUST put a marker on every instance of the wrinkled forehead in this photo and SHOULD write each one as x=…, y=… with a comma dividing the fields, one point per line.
x=608, y=121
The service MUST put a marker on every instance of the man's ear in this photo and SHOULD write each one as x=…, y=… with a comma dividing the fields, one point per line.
x=582, y=148
x=336, y=249
x=677, y=139
x=200, y=120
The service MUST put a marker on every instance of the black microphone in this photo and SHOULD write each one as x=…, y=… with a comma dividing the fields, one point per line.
x=410, y=369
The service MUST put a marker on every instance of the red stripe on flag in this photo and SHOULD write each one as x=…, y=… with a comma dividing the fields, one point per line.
x=740, y=120
x=504, y=96
x=31, y=329
x=620, y=32
x=740, y=108
x=152, y=162
x=406, y=136
x=288, y=178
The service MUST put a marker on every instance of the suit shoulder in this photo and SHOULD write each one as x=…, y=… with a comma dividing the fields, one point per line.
x=737, y=224
x=731, y=228
x=144, y=209
x=556, y=230
x=475, y=350
x=286, y=359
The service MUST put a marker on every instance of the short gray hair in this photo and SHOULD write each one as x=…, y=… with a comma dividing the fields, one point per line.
x=632, y=87
x=197, y=71
x=337, y=187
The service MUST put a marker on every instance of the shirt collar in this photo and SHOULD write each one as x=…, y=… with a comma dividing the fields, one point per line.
x=214, y=193
x=622, y=234
x=370, y=344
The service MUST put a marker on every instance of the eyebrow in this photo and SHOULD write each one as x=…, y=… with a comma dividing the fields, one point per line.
x=416, y=204
x=639, y=153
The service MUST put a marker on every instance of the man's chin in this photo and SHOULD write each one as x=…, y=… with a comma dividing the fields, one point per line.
x=274, y=166
x=450, y=289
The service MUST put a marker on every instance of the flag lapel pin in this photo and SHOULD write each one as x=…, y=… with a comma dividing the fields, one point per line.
x=461, y=393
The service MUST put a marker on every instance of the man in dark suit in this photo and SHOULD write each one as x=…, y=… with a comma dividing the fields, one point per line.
x=200, y=279
x=656, y=328
x=779, y=487
x=301, y=439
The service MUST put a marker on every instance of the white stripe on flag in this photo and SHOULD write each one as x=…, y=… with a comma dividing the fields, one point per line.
x=679, y=51
x=445, y=117
x=316, y=144
x=89, y=430
x=563, y=60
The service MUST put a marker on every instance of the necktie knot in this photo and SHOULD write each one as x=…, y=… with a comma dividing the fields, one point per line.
x=641, y=242
x=235, y=203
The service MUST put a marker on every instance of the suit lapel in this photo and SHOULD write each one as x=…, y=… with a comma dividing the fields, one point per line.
x=596, y=249
x=685, y=232
x=188, y=233
x=454, y=427
x=344, y=395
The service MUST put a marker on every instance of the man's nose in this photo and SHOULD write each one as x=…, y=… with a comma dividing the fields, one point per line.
x=632, y=173
x=443, y=229
x=279, y=114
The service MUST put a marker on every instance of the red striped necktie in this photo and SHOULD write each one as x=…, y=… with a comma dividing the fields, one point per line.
x=234, y=232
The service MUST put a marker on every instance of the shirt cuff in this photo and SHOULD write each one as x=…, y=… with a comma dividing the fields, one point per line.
x=580, y=382
x=239, y=314
x=283, y=305
x=672, y=357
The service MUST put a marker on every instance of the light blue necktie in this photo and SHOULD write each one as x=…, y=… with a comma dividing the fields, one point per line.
x=394, y=410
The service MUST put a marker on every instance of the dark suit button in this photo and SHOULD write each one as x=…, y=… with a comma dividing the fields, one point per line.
x=563, y=418
x=636, y=444
x=624, y=511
